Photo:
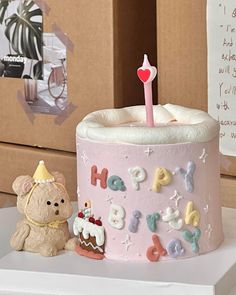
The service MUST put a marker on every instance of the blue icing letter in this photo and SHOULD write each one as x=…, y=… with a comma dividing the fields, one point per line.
x=134, y=221
x=193, y=238
x=115, y=183
x=188, y=176
x=175, y=249
x=152, y=221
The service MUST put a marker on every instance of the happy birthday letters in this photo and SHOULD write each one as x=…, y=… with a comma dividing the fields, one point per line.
x=138, y=175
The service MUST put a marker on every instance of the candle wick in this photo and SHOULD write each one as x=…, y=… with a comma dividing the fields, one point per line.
x=146, y=62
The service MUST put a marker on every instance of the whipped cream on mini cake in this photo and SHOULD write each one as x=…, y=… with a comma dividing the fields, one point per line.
x=173, y=124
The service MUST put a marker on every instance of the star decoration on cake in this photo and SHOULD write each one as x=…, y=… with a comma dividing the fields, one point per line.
x=127, y=242
x=206, y=208
x=148, y=151
x=84, y=157
x=176, y=197
x=207, y=201
x=203, y=156
x=209, y=230
x=109, y=199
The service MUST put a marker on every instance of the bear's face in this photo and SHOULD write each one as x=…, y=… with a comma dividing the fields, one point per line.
x=43, y=202
x=49, y=202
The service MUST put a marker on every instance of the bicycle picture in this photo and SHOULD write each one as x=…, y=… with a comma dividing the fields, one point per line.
x=50, y=94
x=57, y=79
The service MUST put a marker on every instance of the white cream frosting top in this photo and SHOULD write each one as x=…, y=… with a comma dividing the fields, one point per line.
x=173, y=124
x=89, y=229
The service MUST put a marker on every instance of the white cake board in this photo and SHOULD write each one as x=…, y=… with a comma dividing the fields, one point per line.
x=27, y=273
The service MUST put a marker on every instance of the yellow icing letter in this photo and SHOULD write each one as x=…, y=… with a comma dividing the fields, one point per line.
x=192, y=216
x=162, y=177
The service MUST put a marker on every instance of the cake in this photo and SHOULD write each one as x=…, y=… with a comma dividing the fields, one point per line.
x=91, y=235
x=155, y=189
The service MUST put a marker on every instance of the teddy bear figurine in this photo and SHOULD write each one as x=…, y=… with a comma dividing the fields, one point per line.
x=45, y=204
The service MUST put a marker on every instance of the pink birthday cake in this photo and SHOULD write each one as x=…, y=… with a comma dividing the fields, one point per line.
x=148, y=193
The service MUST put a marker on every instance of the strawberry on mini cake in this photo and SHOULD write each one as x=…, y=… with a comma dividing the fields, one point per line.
x=91, y=235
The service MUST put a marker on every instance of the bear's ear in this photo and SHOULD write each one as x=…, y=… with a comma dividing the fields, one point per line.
x=22, y=184
x=59, y=177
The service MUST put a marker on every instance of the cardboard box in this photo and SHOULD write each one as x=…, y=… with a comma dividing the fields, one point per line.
x=106, y=41
x=17, y=160
x=228, y=188
x=182, y=57
x=182, y=52
x=7, y=200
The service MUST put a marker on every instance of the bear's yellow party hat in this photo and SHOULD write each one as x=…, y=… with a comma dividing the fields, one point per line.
x=41, y=175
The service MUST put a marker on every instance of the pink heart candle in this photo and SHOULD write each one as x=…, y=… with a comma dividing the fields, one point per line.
x=147, y=74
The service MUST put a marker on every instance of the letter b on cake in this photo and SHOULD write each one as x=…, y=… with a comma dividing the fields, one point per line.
x=116, y=216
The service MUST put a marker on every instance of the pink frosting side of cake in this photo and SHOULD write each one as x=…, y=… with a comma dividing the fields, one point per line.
x=118, y=158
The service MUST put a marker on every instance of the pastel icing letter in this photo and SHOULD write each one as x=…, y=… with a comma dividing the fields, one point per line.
x=162, y=177
x=134, y=221
x=116, y=216
x=154, y=252
x=152, y=221
x=188, y=176
x=193, y=238
x=115, y=183
x=137, y=175
x=172, y=217
x=192, y=216
x=101, y=176
x=175, y=249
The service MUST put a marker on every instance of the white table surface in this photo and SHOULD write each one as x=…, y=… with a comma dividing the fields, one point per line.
x=68, y=273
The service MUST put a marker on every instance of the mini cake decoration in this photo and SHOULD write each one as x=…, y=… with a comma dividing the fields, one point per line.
x=155, y=183
x=91, y=236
